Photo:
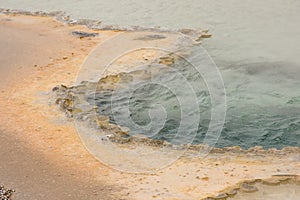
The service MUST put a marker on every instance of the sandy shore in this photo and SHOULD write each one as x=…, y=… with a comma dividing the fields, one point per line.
x=40, y=158
x=41, y=154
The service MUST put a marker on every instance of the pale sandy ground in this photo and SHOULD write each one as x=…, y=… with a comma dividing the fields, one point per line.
x=41, y=155
x=39, y=159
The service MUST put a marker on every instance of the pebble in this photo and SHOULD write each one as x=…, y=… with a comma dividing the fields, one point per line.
x=232, y=193
x=5, y=194
x=245, y=187
x=221, y=196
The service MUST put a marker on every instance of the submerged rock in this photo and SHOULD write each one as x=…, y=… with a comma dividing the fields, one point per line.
x=152, y=37
x=64, y=99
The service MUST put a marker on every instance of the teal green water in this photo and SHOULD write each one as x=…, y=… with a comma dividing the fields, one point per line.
x=263, y=105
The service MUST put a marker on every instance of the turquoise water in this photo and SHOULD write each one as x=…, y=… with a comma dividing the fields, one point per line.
x=264, y=113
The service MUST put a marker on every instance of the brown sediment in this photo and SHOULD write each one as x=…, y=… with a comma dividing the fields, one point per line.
x=45, y=157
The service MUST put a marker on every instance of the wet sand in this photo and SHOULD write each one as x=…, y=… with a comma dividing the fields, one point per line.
x=42, y=156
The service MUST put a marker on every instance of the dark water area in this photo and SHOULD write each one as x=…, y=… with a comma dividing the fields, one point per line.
x=263, y=104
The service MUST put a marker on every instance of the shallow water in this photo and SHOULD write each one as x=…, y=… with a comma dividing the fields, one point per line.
x=255, y=45
x=243, y=30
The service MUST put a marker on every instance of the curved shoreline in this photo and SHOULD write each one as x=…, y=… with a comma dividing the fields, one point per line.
x=63, y=17
x=64, y=96
x=26, y=113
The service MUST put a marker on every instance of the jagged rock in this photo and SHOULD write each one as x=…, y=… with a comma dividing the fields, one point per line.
x=64, y=104
x=59, y=88
x=65, y=99
x=82, y=34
